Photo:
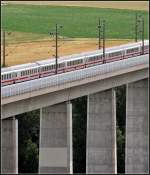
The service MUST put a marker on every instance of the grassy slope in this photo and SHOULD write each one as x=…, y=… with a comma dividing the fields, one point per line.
x=77, y=21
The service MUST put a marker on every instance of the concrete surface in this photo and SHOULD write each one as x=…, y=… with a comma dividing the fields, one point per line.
x=101, y=133
x=55, y=155
x=9, y=156
x=137, y=126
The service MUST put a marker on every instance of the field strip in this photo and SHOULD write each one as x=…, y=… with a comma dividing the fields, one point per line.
x=134, y=5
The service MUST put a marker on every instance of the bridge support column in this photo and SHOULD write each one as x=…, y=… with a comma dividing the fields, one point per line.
x=137, y=153
x=9, y=146
x=55, y=155
x=101, y=133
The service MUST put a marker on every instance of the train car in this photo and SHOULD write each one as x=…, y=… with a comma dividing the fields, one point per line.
x=15, y=74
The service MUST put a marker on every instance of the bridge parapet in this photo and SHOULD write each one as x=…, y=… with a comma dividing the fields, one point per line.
x=75, y=76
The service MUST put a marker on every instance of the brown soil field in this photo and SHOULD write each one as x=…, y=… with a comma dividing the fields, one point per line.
x=134, y=5
x=39, y=50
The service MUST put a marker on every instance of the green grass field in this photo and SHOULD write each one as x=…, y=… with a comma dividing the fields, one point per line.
x=78, y=22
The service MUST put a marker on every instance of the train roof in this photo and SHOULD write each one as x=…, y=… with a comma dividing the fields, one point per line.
x=90, y=53
x=18, y=67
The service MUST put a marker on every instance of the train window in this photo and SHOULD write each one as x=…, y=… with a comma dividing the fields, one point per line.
x=80, y=61
x=51, y=67
x=14, y=74
x=132, y=50
x=96, y=58
x=60, y=65
x=100, y=56
x=92, y=59
x=68, y=63
x=146, y=47
x=115, y=54
x=76, y=62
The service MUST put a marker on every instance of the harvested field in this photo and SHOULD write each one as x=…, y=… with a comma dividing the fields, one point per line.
x=134, y=5
x=33, y=51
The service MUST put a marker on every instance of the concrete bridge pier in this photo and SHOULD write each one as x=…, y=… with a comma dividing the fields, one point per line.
x=101, y=133
x=137, y=122
x=9, y=150
x=55, y=150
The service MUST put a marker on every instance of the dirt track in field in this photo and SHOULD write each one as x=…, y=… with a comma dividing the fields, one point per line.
x=133, y=5
x=33, y=51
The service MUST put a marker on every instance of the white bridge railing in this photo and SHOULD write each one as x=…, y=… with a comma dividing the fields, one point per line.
x=56, y=80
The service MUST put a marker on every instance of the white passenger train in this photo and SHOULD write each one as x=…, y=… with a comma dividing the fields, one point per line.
x=39, y=69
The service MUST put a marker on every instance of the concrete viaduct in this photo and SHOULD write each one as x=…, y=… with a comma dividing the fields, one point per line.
x=53, y=97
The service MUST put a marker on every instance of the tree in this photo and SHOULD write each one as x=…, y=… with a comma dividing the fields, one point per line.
x=28, y=141
x=79, y=134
